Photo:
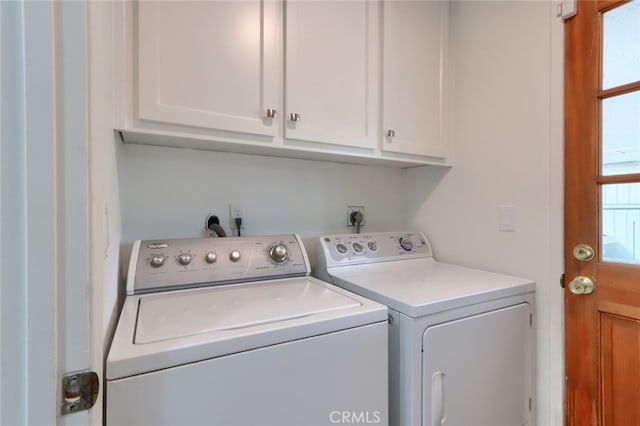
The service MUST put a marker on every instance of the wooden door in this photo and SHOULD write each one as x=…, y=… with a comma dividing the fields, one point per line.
x=602, y=200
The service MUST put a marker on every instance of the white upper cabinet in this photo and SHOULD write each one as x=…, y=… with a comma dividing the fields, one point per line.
x=414, y=59
x=331, y=72
x=317, y=79
x=209, y=64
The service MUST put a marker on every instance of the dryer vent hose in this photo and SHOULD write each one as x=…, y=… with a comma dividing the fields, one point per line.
x=213, y=226
x=356, y=219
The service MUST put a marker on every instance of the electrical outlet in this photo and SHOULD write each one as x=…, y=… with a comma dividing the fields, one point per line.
x=354, y=209
x=235, y=211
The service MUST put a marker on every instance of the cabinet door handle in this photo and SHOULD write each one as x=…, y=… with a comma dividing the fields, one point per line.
x=272, y=113
x=391, y=133
x=295, y=117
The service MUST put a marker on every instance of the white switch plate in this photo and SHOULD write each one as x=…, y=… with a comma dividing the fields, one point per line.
x=507, y=218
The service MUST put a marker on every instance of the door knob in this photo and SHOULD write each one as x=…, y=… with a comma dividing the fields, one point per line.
x=582, y=285
x=583, y=252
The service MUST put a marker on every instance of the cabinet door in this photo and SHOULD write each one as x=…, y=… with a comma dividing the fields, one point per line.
x=330, y=72
x=210, y=64
x=414, y=40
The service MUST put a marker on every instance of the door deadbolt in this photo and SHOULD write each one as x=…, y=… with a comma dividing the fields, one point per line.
x=583, y=252
x=582, y=285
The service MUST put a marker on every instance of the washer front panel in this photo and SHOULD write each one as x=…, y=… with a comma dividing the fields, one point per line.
x=310, y=381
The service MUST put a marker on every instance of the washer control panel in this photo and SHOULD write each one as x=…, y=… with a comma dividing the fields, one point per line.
x=373, y=247
x=171, y=264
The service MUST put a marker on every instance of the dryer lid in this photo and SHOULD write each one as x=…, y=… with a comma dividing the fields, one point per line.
x=418, y=287
x=165, y=316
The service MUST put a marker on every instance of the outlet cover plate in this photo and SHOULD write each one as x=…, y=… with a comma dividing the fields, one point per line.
x=351, y=209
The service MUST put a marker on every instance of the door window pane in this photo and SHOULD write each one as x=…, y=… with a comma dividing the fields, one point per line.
x=621, y=134
x=621, y=47
x=621, y=223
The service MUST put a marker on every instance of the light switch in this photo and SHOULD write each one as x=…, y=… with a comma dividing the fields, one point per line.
x=507, y=218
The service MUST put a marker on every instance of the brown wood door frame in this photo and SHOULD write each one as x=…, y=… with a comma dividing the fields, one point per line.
x=581, y=203
x=615, y=305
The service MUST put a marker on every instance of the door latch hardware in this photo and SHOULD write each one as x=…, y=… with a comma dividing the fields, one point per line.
x=583, y=252
x=79, y=391
x=582, y=285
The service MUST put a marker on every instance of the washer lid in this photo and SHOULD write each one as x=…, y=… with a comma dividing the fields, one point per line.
x=164, y=330
x=168, y=316
x=418, y=287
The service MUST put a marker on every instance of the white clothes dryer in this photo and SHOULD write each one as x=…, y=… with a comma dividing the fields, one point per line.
x=461, y=341
x=233, y=332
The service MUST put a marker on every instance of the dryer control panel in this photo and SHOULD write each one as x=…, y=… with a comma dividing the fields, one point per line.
x=171, y=264
x=350, y=249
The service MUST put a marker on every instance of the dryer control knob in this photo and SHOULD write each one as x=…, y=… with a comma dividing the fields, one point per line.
x=342, y=249
x=357, y=247
x=406, y=244
x=157, y=261
x=279, y=253
x=185, y=258
x=373, y=246
x=234, y=256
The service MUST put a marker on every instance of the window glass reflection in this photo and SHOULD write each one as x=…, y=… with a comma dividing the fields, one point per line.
x=621, y=223
x=621, y=134
x=621, y=45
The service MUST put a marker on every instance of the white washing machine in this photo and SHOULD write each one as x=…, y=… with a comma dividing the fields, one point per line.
x=233, y=332
x=461, y=341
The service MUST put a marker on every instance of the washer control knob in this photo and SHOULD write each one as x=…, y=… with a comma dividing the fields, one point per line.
x=157, y=261
x=357, y=247
x=406, y=244
x=279, y=253
x=211, y=257
x=234, y=256
x=342, y=249
x=185, y=258
x=373, y=246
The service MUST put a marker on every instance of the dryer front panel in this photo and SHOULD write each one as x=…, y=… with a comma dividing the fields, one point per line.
x=478, y=370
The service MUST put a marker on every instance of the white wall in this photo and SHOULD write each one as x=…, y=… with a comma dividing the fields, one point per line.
x=104, y=208
x=46, y=143
x=43, y=216
x=12, y=218
x=508, y=151
x=168, y=192
x=508, y=140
